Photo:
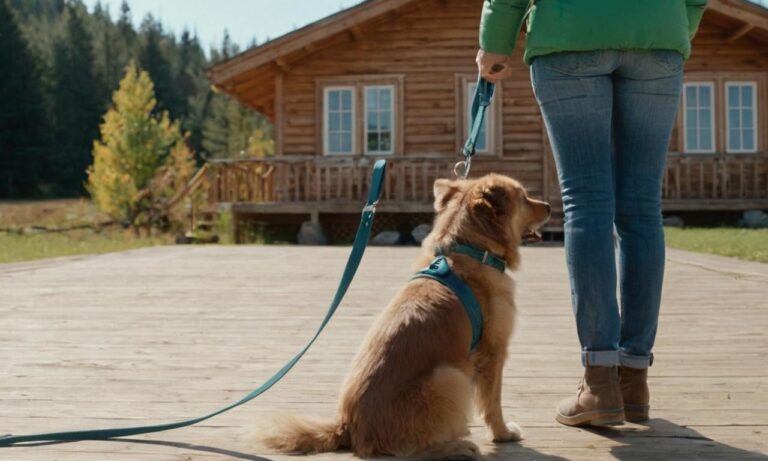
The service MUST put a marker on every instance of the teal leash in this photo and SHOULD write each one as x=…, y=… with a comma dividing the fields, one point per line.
x=480, y=103
x=356, y=255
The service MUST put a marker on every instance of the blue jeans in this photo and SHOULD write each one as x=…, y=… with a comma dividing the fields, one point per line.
x=610, y=115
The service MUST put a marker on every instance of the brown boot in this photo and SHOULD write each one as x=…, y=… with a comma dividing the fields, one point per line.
x=598, y=402
x=634, y=391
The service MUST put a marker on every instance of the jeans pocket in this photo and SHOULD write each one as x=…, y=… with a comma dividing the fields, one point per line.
x=670, y=61
x=574, y=64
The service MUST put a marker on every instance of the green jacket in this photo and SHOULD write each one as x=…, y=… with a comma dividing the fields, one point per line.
x=584, y=25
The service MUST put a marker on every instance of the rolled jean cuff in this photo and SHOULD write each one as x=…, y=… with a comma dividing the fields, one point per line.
x=600, y=358
x=635, y=361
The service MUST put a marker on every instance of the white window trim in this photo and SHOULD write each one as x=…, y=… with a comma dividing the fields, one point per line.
x=712, y=130
x=490, y=122
x=753, y=84
x=326, y=124
x=393, y=124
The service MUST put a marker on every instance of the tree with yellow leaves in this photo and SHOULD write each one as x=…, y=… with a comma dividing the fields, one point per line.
x=142, y=160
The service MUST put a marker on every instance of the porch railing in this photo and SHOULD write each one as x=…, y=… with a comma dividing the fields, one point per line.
x=689, y=178
x=716, y=177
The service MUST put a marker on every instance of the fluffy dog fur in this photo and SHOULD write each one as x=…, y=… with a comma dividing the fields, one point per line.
x=409, y=393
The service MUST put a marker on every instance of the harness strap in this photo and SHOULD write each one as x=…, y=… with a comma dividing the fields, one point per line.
x=440, y=271
x=358, y=248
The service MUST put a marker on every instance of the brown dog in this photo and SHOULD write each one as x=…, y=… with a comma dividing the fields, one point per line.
x=409, y=393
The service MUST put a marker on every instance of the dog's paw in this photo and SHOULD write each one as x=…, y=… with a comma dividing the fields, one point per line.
x=511, y=434
x=464, y=450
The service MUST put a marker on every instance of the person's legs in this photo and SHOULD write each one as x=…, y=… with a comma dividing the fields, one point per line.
x=647, y=89
x=575, y=94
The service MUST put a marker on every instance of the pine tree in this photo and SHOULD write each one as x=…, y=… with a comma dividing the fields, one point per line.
x=22, y=116
x=141, y=159
x=76, y=104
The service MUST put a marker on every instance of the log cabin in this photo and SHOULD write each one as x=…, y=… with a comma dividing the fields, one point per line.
x=394, y=78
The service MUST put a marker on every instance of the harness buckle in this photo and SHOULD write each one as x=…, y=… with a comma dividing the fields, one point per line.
x=485, y=257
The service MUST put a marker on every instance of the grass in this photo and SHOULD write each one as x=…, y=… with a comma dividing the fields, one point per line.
x=21, y=241
x=747, y=244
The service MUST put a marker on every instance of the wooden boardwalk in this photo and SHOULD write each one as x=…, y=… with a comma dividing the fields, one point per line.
x=163, y=334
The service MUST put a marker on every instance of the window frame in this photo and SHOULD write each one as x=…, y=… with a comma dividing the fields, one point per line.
x=755, y=116
x=393, y=125
x=359, y=83
x=712, y=118
x=493, y=115
x=326, y=116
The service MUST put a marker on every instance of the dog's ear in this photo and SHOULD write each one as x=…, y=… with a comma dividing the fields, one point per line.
x=444, y=190
x=495, y=199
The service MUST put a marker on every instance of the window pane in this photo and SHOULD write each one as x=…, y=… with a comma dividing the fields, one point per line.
x=690, y=96
x=346, y=121
x=734, y=120
x=334, y=121
x=691, y=143
x=747, y=140
x=333, y=100
x=733, y=96
x=705, y=118
x=385, y=120
x=373, y=121
x=705, y=96
x=746, y=96
x=346, y=99
x=334, y=143
x=372, y=98
x=692, y=118
x=705, y=140
x=747, y=120
x=373, y=142
x=385, y=140
x=386, y=99
x=346, y=143
x=734, y=140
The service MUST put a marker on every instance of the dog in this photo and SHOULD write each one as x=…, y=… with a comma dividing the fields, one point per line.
x=410, y=391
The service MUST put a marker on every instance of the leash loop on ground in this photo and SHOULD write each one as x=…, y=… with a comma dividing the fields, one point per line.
x=355, y=256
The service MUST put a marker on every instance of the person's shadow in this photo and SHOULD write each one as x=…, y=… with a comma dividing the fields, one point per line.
x=660, y=439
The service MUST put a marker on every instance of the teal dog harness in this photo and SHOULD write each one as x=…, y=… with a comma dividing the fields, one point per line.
x=439, y=271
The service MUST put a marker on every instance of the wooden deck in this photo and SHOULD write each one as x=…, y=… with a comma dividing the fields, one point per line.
x=168, y=333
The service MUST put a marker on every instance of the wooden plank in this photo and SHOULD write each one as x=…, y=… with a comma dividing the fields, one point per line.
x=186, y=343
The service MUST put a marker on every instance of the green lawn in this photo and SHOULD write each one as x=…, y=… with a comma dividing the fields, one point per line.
x=747, y=244
x=15, y=247
x=19, y=241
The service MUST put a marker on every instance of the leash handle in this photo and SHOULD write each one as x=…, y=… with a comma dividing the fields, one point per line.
x=482, y=99
x=355, y=256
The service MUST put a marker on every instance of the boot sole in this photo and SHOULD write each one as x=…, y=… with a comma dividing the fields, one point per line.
x=636, y=413
x=598, y=418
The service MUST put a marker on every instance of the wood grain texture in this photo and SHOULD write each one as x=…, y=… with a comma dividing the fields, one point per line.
x=164, y=334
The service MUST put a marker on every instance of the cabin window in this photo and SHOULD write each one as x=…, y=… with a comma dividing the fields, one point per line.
x=379, y=115
x=483, y=139
x=339, y=103
x=741, y=117
x=699, y=117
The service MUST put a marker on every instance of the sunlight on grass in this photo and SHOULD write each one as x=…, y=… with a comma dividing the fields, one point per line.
x=15, y=247
x=747, y=244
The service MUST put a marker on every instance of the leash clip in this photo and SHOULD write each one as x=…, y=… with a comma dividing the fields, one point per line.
x=461, y=169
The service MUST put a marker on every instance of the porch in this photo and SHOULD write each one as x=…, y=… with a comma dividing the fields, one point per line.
x=316, y=185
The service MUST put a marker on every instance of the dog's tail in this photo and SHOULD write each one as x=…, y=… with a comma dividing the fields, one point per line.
x=292, y=434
